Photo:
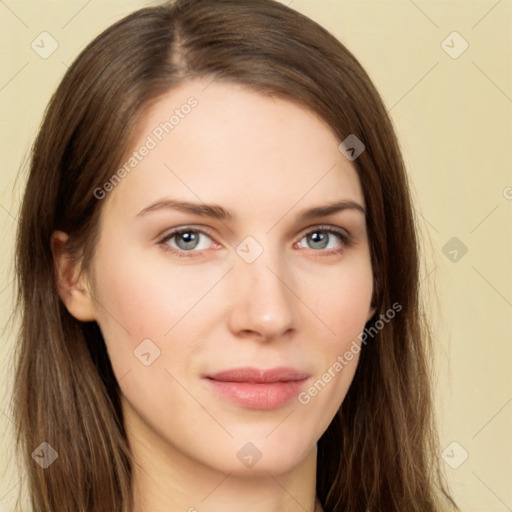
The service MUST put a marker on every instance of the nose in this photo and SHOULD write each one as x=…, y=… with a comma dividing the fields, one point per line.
x=263, y=302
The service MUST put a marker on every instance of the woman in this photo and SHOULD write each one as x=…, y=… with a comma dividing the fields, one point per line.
x=218, y=277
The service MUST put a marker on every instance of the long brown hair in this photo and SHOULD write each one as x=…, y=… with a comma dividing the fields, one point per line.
x=380, y=453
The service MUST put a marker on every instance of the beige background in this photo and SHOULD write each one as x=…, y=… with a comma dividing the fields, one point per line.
x=453, y=117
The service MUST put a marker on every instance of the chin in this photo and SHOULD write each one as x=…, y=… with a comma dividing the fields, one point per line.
x=260, y=458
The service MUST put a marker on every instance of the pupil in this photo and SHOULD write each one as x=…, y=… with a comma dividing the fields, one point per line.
x=320, y=239
x=189, y=240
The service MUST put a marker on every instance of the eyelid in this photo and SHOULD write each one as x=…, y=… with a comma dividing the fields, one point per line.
x=344, y=235
x=187, y=227
x=327, y=227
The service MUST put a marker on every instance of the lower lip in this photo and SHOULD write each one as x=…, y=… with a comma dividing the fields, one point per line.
x=258, y=395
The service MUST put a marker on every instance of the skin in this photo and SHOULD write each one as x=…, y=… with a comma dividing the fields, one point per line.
x=265, y=160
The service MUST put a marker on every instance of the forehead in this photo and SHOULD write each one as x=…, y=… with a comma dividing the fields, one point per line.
x=223, y=143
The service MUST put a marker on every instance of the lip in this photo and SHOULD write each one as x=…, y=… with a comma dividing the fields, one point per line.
x=257, y=388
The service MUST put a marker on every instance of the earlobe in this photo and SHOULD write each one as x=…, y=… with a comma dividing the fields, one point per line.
x=72, y=286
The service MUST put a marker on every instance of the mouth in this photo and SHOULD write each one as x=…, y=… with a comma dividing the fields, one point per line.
x=256, y=388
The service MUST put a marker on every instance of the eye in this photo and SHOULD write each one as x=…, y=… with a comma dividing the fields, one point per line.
x=186, y=240
x=189, y=242
x=322, y=238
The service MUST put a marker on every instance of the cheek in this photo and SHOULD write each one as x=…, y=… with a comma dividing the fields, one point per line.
x=153, y=321
x=139, y=300
x=142, y=296
x=342, y=305
x=342, y=302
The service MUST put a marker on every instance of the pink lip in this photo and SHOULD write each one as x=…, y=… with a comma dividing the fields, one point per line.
x=258, y=388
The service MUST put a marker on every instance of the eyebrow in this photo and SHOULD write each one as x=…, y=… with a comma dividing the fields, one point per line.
x=218, y=212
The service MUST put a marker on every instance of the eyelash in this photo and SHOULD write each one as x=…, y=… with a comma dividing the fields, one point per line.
x=346, y=241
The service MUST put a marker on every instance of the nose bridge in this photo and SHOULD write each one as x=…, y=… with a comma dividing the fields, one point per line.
x=263, y=301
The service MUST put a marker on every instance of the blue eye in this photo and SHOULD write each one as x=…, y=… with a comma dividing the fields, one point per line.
x=190, y=242
x=185, y=240
x=322, y=238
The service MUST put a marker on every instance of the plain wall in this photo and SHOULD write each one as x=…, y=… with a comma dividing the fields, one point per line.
x=453, y=118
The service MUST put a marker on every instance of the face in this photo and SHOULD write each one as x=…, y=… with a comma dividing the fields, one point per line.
x=225, y=296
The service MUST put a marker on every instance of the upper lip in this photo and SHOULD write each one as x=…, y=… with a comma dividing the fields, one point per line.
x=259, y=375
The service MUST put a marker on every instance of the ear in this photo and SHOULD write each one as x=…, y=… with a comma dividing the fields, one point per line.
x=73, y=289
